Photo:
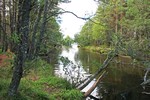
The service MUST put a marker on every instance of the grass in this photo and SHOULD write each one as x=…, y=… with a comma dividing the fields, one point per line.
x=38, y=83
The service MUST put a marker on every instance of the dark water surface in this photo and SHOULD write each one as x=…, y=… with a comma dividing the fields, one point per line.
x=121, y=83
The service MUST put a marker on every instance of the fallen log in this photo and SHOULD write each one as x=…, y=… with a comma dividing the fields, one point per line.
x=86, y=94
x=146, y=93
x=110, y=56
x=145, y=76
x=93, y=98
x=146, y=81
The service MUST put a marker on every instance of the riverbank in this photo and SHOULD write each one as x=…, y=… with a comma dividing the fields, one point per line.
x=38, y=83
x=138, y=57
x=99, y=49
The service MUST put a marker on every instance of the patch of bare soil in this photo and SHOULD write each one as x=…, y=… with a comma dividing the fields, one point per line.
x=3, y=59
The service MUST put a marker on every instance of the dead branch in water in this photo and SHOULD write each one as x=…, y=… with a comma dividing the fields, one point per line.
x=110, y=56
x=146, y=81
x=86, y=94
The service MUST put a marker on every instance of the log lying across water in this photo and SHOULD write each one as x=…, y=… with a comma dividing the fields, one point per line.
x=110, y=56
x=86, y=94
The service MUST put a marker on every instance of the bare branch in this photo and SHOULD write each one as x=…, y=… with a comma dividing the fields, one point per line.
x=83, y=18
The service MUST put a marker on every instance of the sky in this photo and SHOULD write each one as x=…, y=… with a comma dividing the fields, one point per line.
x=70, y=24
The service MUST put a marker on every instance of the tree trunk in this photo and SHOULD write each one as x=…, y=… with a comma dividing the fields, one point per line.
x=4, y=41
x=0, y=27
x=11, y=18
x=43, y=27
x=86, y=94
x=23, y=31
x=35, y=28
x=14, y=24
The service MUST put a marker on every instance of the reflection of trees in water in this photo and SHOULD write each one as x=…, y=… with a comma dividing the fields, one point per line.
x=90, y=61
x=111, y=93
x=74, y=72
x=122, y=83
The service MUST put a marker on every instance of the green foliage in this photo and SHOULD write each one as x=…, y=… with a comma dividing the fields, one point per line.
x=136, y=18
x=120, y=24
x=98, y=32
x=53, y=35
x=52, y=38
x=67, y=41
x=72, y=94
x=133, y=47
x=14, y=38
x=37, y=67
x=55, y=82
x=85, y=36
x=41, y=2
x=38, y=84
x=103, y=49
x=1, y=51
x=67, y=95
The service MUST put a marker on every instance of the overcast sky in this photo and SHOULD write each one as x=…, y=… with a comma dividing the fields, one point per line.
x=71, y=25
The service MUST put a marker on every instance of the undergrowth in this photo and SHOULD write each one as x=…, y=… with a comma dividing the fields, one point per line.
x=38, y=83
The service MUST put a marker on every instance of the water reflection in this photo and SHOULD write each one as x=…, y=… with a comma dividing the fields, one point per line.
x=122, y=82
x=74, y=71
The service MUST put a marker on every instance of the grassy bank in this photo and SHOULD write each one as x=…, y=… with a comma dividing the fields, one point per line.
x=99, y=49
x=136, y=53
x=38, y=83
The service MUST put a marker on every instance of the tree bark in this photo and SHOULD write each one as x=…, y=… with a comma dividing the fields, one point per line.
x=23, y=31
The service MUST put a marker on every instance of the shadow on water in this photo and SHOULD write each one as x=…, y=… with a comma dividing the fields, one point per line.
x=121, y=83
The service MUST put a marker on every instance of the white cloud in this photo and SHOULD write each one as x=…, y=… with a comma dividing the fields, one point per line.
x=70, y=24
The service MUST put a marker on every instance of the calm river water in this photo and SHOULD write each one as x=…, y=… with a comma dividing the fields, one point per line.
x=121, y=83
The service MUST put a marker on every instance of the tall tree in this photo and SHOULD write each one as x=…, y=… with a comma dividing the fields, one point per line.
x=43, y=25
x=4, y=41
x=32, y=48
x=22, y=31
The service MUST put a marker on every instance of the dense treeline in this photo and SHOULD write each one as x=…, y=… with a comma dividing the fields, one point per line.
x=28, y=28
x=42, y=25
x=127, y=21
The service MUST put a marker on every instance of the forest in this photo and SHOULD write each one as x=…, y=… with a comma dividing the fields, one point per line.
x=123, y=21
x=31, y=41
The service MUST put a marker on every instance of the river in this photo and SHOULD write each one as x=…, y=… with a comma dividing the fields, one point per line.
x=121, y=83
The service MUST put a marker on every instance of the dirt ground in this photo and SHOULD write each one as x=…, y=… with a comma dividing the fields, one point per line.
x=4, y=60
